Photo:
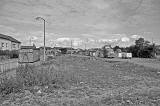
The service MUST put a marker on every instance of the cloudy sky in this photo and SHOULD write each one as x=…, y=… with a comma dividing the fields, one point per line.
x=90, y=22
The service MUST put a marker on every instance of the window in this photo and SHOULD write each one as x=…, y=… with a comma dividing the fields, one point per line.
x=18, y=45
x=2, y=44
x=14, y=45
x=6, y=44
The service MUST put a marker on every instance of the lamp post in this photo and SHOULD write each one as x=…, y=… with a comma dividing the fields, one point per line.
x=44, y=48
x=71, y=46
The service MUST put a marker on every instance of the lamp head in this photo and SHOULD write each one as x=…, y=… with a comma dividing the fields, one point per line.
x=39, y=18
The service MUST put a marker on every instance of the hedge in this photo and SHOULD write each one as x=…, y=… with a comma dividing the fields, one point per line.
x=9, y=54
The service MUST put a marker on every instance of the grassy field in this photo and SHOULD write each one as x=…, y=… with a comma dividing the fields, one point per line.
x=85, y=81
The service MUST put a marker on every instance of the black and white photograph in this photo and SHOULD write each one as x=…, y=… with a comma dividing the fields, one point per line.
x=79, y=52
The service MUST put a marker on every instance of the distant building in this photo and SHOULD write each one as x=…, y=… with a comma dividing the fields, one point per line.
x=48, y=50
x=9, y=43
x=158, y=49
x=108, y=51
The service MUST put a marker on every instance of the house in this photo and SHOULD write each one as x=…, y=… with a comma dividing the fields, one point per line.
x=29, y=54
x=158, y=49
x=57, y=51
x=108, y=51
x=99, y=53
x=9, y=43
x=71, y=51
x=91, y=52
x=48, y=50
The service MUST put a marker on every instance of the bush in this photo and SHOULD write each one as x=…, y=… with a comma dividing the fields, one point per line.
x=26, y=75
x=29, y=76
x=9, y=85
x=63, y=50
x=9, y=54
x=144, y=52
x=14, y=54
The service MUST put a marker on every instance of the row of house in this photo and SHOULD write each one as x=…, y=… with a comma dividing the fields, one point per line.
x=10, y=43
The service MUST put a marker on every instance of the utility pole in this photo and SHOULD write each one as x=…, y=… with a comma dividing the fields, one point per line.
x=30, y=41
x=152, y=40
x=44, y=26
x=85, y=46
x=71, y=47
x=85, y=43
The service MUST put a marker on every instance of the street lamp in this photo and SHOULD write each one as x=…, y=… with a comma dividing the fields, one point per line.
x=44, y=48
x=71, y=46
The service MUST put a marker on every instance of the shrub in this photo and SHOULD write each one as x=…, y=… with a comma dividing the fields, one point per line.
x=63, y=50
x=14, y=54
x=10, y=54
x=29, y=76
x=26, y=75
x=9, y=85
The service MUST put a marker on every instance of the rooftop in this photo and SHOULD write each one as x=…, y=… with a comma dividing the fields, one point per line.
x=9, y=38
x=45, y=47
x=28, y=47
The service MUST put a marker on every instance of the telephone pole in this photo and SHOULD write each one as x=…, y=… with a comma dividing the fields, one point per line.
x=44, y=48
x=30, y=41
x=71, y=47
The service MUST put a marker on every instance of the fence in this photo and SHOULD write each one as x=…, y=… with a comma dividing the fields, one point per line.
x=8, y=65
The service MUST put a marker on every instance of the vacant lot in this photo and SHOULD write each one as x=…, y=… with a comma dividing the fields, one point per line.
x=94, y=82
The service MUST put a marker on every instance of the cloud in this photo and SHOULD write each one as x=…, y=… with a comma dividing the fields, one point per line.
x=107, y=40
x=104, y=26
x=81, y=19
x=88, y=35
x=34, y=38
x=63, y=39
x=135, y=36
x=6, y=28
x=100, y=4
x=125, y=39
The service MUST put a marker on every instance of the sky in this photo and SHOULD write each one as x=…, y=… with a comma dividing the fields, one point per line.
x=90, y=22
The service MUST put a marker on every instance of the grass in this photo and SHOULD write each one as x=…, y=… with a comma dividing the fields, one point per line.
x=29, y=76
x=80, y=81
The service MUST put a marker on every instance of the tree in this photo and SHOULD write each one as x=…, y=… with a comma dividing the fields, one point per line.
x=142, y=45
x=140, y=42
x=116, y=47
x=146, y=43
x=63, y=50
x=143, y=49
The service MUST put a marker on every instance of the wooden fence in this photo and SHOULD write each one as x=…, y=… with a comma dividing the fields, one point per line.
x=8, y=65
